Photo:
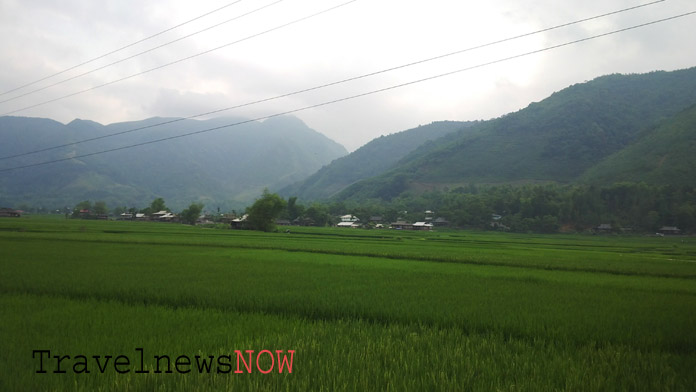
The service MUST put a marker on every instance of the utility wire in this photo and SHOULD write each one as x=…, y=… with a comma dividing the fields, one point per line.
x=357, y=95
x=121, y=48
x=141, y=53
x=333, y=83
x=185, y=58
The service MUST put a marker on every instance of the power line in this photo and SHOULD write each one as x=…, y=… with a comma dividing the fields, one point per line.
x=141, y=53
x=183, y=59
x=357, y=95
x=121, y=48
x=336, y=82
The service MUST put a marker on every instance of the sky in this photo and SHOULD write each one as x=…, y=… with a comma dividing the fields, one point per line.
x=269, y=48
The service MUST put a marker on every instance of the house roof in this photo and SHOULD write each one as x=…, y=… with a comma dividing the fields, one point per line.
x=242, y=219
x=346, y=224
x=422, y=224
x=669, y=228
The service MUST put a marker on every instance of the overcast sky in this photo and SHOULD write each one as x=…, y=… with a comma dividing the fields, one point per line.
x=42, y=37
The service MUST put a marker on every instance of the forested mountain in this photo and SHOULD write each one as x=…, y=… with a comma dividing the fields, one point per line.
x=224, y=168
x=370, y=160
x=663, y=155
x=559, y=140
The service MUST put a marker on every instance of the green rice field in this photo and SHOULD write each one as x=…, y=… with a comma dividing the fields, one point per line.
x=359, y=309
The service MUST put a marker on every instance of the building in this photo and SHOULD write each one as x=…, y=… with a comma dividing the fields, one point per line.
x=603, y=228
x=9, y=213
x=422, y=226
x=669, y=230
x=441, y=222
x=239, y=223
x=402, y=225
x=303, y=221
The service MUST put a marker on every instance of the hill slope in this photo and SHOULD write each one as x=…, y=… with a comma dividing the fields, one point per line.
x=370, y=160
x=662, y=155
x=555, y=140
x=227, y=167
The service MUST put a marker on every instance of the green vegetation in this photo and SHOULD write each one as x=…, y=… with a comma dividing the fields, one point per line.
x=265, y=210
x=190, y=215
x=560, y=139
x=633, y=207
x=663, y=155
x=226, y=168
x=372, y=159
x=363, y=310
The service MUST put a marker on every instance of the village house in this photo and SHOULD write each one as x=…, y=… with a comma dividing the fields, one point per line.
x=401, y=225
x=376, y=219
x=163, y=216
x=303, y=221
x=422, y=226
x=603, y=228
x=239, y=223
x=9, y=213
x=440, y=222
x=671, y=230
x=282, y=222
x=349, y=221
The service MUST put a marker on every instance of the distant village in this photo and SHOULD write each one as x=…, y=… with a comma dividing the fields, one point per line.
x=348, y=221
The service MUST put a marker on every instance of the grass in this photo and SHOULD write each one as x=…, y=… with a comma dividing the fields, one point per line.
x=379, y=310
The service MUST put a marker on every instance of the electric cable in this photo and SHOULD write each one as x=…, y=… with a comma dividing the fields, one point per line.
x=140, y=53
x=182, y=59
x=356, y=95
x=121, y=48
x=335, y=82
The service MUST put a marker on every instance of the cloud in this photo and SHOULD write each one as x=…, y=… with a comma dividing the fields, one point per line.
x=359, y=38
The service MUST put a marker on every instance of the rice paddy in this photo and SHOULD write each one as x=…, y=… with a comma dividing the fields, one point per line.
x=360, y=310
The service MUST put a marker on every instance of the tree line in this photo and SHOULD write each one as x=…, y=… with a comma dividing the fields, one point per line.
x=546, y=208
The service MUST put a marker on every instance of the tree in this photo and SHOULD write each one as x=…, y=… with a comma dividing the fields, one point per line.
x=191, y=214
x=100, y=208
x=264, y=211
x=82, y=206
x=158, y=205
x=318, y=213
x=294, y=210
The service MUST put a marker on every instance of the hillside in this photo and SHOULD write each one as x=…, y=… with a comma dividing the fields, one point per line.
x=663, y=155
x=370, y=160
x=556, y=140
x=225, y=168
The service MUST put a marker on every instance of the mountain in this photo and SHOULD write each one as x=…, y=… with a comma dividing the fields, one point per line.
x=556, y=140
x=663, y=155
x=226, y=167
x=369, y=160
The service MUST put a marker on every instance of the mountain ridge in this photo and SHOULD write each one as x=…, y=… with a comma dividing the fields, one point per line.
x=227, y=167
x=555, y=140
